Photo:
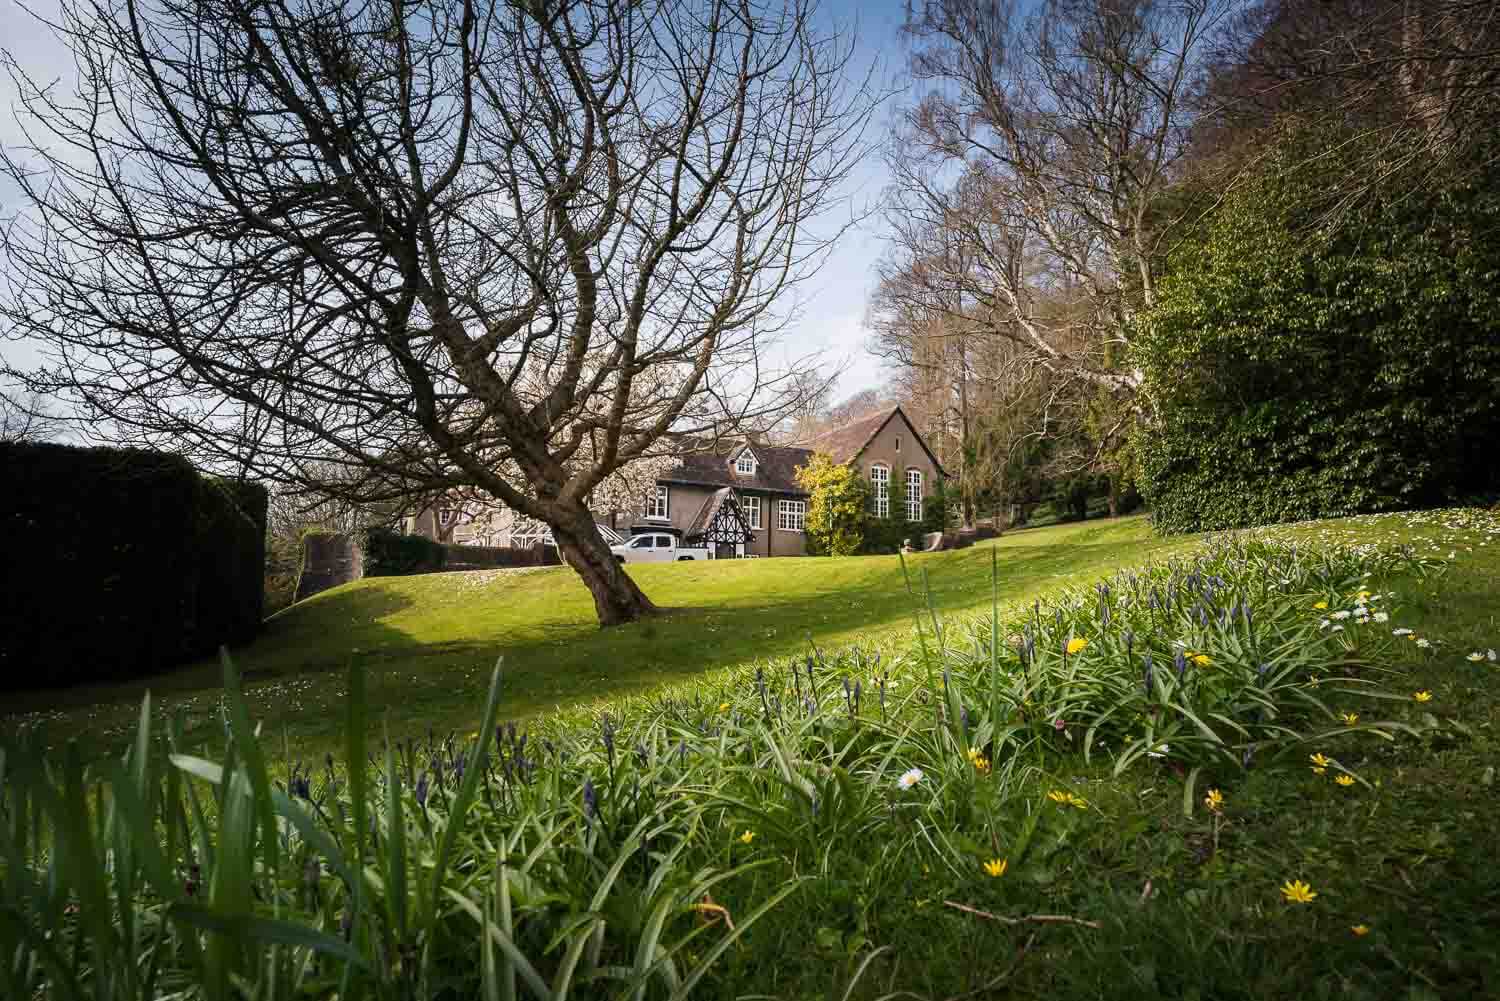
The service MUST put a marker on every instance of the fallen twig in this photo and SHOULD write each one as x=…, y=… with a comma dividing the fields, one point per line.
x=710, y=912
x=1040, y=919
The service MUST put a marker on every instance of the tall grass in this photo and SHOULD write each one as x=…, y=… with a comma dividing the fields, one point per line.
x=636, y=854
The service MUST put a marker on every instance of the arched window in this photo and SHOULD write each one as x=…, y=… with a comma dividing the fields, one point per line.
x=880, y=480
x=913, y=495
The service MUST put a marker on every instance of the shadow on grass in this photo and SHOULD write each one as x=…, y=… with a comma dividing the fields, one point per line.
x=430, y=642
x=259, y=661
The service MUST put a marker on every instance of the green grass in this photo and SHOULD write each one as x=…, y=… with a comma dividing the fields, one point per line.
x=1161, y=898
x=428, y=642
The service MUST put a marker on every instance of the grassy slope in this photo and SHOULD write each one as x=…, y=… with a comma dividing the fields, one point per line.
x=1183, y=915
x=431, y=640
x=1412, y=859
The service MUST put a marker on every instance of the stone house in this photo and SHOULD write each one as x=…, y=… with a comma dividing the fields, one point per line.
x=761, y=481
x=742, y=500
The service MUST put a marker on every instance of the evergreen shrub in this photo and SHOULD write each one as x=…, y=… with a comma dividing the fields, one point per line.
x=1309, y=360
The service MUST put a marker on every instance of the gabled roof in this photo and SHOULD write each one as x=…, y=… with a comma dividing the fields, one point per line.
x=776, y=465
x=719, y=504
x=775, y=469
x=844, y=444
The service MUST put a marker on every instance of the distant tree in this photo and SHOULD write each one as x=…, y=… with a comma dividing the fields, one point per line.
x=450, y=245
x=836, y=507
x=26, y=417
x=1027, y=177
x=809, y=417
x=862, y=404
x=1418, y=81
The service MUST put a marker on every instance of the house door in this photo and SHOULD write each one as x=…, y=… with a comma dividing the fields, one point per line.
x=727, y=551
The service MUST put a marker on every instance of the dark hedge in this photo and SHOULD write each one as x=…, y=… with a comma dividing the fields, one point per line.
x=391, y=554
x=121, y=563
x=1302, y=371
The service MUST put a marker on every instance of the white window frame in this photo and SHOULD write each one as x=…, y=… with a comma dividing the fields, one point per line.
x=880, y=482
x=745, y=463
x=791, y=516
x=751, y=507
x=446, y=516
x=913, y=495
x=659, y=499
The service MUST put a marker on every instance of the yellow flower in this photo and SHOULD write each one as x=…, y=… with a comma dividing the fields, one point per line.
x=723, y=707
x=1067, y=799
x=1319, y=760
x=979, y=761
x=1214, y=800
x=1363, y=595
x=1076, y=644
x=1423, y=696
x=996, y=867
x=1345, y=780
x=1201, y=659
x=747, y=837
x=1297, y=892
x=1349, y=718
x=1360, y=931
x=1321, y=604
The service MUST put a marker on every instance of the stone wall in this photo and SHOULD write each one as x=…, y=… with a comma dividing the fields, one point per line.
x=328, y=560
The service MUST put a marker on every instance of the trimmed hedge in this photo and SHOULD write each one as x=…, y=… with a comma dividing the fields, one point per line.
x=121, y=563
x=391, y=554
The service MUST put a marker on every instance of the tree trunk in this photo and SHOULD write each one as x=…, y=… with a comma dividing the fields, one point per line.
x=1114, y=497
x=617, y=600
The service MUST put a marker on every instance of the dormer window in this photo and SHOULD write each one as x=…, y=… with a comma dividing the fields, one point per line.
x=745, y=464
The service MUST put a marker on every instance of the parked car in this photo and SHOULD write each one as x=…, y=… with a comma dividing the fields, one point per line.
x=656, y=547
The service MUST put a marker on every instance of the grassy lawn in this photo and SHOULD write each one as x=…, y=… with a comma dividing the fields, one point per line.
x=975, y=820
x=429, y=642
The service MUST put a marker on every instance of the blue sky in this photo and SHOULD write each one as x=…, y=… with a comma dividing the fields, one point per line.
x=832, y=315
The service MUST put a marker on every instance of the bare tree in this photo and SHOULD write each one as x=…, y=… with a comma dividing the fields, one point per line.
x=1027, y=183
x=25, y=418
x=507, y=246
x=1414, y=82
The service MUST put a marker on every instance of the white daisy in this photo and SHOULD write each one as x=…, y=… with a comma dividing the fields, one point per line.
x=1424, y=643
x=1476, y=656
x=1403, y=631
x=1382, y=617
x=909, y=778
x=1340, y=615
